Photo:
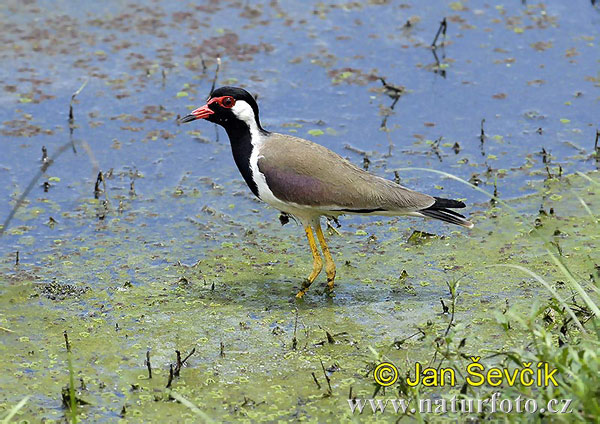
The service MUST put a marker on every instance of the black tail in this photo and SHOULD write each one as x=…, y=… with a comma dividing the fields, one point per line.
x=441, y=210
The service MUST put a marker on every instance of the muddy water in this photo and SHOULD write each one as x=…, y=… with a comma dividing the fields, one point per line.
x=175, y=253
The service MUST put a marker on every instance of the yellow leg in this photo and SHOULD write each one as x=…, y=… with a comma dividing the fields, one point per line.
x=317, y=261
x=329, y=264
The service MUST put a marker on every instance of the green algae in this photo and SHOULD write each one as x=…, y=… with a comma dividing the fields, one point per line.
x=257, y=348
x=142, y=273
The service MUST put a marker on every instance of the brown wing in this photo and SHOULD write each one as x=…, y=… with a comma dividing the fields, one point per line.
x=306, y=173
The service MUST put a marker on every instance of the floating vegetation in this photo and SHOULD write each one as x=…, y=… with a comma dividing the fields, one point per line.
x=105, y=198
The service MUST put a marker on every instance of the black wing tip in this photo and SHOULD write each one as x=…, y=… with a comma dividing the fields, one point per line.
x=441, y=210
x=441, y=203
x=447, y=216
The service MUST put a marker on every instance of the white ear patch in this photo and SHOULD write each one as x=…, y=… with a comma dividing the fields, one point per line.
x=244, y=112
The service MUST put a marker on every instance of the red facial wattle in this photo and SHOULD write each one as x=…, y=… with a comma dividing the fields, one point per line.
x=225, y=101
x=205, y=111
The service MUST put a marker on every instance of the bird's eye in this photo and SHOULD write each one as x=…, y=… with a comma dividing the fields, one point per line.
x=228, y=102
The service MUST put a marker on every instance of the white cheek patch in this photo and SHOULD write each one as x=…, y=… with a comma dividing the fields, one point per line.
x=243, y=111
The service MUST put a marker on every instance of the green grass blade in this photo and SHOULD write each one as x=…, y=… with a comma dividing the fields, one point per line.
x=587, y=208
x=550, y=289
x=589, y=302
x=562, y=267
x=473, y=186
x=205, y=418
x=581, y=174
x=15, y=409
x=72, y=397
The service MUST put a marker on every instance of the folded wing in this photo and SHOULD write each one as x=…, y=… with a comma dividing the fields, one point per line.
x=308, y=174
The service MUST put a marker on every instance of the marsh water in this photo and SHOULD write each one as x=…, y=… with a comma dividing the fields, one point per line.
x=170, y=251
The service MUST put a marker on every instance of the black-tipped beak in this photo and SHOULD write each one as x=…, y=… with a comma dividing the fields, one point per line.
x=187, y=118
x=200, y=113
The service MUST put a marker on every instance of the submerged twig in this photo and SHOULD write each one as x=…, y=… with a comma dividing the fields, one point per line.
x=482, y=133
x=47, y=161
x=170, y=380
x=326, y=378
x=441, y=30
x=435, y=147
x=71, y=118
x=212, y=88
x=67, y=344
x=295, y=340
x=316, y=381
x=99, y=179
x=444, y=307
x=439, y=69
x=69, y=397
x=148, y=364
x=452, y=288
x=393, y=91
x=398, y=343
x=106, y=202
x=180, y=363
x=174, y=371
x=203, y=62
x=32, y=183
x=366, y=163
x=546, y=242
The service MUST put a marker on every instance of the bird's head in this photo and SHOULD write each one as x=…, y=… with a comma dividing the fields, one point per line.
x=228, y=107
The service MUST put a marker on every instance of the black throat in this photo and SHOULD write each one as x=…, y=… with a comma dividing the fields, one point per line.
x=241, y=147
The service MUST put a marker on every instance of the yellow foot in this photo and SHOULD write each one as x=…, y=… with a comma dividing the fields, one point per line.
x=330, y=282
x=317, y=262
x=304, y=289
x=329, y=263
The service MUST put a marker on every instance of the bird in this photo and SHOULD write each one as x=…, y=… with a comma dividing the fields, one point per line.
x=307, y=181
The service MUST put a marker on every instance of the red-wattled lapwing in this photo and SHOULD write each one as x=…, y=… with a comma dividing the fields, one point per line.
x=307, y=180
